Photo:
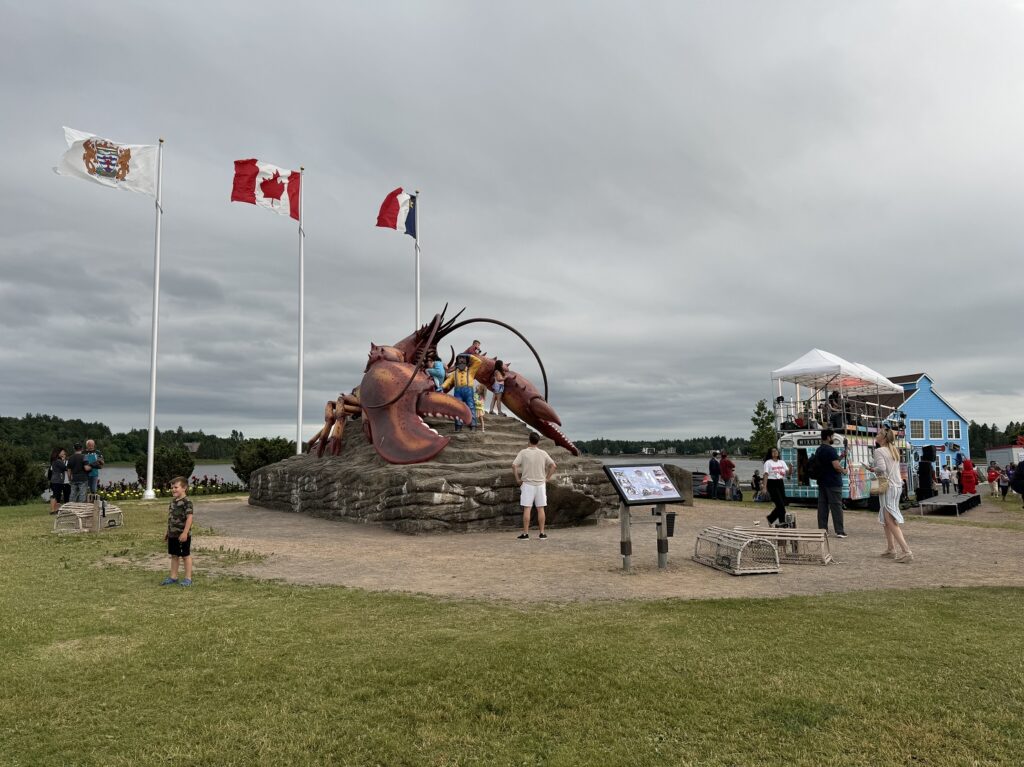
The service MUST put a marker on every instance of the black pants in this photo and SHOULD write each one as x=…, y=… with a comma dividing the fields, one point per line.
x=777, y=492
x=1003, y=489
x=713, y=489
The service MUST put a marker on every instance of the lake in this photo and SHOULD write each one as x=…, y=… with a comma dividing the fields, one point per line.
x=127, y=473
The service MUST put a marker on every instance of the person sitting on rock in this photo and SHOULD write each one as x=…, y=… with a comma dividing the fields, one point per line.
x=435, y=369
x=461, y=382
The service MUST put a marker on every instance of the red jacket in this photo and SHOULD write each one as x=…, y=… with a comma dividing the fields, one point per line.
x=727, y=467
x=968, y=478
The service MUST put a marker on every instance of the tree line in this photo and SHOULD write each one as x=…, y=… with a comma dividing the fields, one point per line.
x=984, y=436
x=40, y=433
x=694, y=446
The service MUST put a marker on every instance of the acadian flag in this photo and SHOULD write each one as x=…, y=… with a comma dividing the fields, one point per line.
x=398, y=211
x=121, y=166
x=268, y=186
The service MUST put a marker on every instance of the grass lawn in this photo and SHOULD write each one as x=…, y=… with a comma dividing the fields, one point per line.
x=99, y=666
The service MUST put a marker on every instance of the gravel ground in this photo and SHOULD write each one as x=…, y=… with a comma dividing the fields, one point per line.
x=583, y=563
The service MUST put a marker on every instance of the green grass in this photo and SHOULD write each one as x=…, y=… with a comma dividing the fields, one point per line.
x=99, y=666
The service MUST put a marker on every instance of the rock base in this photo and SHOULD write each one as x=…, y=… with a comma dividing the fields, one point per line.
x=469, y=486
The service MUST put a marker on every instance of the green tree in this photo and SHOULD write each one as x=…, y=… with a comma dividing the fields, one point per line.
x=168, y=463
x=763, y=437
x=21, y=478
x=252, y=454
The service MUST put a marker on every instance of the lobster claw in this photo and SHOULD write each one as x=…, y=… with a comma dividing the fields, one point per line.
x=523, y=399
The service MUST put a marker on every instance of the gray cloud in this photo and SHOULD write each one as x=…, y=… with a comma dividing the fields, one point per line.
x=668, y=200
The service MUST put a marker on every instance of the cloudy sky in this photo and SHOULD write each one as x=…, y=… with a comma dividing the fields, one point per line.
x=668, y=199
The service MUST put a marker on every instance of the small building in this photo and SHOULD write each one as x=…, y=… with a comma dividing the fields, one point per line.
x=648, y=451
x=1004, y=454
x=930, y=419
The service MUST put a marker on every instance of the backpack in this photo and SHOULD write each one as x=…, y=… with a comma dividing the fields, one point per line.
x=814, y=466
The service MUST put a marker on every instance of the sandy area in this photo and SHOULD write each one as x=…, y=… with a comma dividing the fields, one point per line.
x=583, y=563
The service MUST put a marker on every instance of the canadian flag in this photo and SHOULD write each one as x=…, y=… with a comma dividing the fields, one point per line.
x=268, y=186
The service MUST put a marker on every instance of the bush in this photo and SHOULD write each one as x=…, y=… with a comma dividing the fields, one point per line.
x=168, y=463
x=21, y=479
x=254, y=454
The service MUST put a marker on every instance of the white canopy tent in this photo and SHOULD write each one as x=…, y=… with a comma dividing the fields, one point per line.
x=820, y=370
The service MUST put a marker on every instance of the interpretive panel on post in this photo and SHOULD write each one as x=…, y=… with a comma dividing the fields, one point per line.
x=643, y=485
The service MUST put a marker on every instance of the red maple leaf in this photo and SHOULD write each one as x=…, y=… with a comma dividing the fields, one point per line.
x=272, y=188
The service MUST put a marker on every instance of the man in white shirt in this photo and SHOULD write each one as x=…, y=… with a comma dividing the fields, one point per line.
x=532, y=469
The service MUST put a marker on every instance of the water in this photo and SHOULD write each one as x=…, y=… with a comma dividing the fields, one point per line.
x=127, y=473
x=744, y=469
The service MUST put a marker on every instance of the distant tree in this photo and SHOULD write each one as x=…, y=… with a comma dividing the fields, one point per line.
x=252, y=454
x=763, y=437
x=21, y=478
x=168, y=463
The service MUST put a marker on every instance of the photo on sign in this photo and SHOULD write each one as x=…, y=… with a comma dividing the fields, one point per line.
x=638, y=485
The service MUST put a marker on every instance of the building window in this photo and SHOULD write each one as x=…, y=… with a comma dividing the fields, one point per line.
x=916, y=429
x=935, y=430
x=954, y=429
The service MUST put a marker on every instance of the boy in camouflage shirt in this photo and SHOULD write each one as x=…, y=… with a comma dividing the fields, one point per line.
x=179, y=532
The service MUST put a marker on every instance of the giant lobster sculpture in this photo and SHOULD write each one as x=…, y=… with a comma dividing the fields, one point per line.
x=396, y=393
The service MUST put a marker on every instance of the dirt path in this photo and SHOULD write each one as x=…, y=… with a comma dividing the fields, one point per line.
x=582, y=564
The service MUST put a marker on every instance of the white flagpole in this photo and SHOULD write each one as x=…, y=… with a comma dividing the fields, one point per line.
x=149, y=495
x=302, y=296
x=417, y=326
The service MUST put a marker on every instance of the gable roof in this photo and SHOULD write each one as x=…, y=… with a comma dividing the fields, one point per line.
x=912, y=378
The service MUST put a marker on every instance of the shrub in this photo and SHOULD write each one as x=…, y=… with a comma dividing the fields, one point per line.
x=21, y=479
x=168, y=463
x=253, y=454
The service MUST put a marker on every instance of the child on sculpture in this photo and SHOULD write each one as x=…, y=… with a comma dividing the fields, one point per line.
x=179, y=532
x=479, y=397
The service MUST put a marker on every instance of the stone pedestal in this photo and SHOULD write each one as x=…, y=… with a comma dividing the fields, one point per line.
x=469, y=486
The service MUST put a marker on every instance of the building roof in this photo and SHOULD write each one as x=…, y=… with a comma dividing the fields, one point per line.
x=912, y=378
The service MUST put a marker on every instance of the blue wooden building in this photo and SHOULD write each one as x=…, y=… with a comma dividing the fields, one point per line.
x=930, y=419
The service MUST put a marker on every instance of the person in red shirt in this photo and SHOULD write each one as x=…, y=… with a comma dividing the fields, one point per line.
x=993, y=477
x=728, y=469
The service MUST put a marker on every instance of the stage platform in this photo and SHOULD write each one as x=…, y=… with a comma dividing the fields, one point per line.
x=949, y=503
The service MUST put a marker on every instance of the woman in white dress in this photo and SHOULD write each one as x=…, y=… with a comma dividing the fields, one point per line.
x=887, y=464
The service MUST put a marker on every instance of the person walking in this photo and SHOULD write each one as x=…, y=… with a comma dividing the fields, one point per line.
x=887, y=465
x=532, y=468
x=830, y=484
x=993, y=478
x=775, y=472
x=728, y=475
x=1004, y=483
x=58, y=473
x=714, y=471
x=79, y=469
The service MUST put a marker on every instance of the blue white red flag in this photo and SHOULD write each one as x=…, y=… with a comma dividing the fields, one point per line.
x=398, y=211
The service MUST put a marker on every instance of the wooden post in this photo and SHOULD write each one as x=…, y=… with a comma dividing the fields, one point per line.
x=95, y=513
x=661, y=524
x=625, y=544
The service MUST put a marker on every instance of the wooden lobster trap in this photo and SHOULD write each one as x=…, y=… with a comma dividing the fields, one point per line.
x=87, y=517
x=735, y=552
x=795, y=547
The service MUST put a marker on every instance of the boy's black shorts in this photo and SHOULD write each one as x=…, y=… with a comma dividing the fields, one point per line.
x=178, y=549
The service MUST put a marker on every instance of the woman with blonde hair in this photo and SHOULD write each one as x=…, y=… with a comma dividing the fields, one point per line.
x=887, y=465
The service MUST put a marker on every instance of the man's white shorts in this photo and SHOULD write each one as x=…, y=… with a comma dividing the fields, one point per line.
x=533, y=494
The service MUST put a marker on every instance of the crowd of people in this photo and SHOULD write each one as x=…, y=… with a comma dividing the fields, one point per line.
x=73, y=478
x=769, y=484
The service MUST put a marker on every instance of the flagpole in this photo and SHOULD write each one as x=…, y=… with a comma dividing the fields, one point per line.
x=417, y=326
x=149, y=495
x=302, y=318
